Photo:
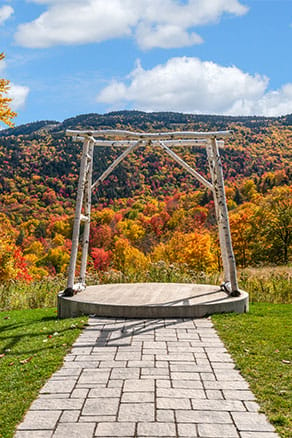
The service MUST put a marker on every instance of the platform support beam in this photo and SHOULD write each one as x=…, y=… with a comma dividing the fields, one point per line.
x=220, y=230
x=228, y=258
x=78, y=210
x=87, y=213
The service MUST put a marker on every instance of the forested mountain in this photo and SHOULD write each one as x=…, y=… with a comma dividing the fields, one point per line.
x=39, y=170
x=38, y=164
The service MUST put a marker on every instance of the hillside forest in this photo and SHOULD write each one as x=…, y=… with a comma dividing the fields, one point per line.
x=149, y=211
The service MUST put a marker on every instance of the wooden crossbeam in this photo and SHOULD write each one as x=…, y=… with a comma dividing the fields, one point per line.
x=125, y=143
x=143, y=135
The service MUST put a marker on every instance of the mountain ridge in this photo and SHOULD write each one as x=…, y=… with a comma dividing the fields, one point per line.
x=38, y=163
x=95, y=120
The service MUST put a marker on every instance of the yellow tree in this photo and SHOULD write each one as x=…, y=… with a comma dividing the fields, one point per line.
x=192, y=249
x=129, y=259
x=6, y=114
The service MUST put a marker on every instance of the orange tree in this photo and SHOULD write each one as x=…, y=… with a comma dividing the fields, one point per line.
x=12, y=263
x=6, y=114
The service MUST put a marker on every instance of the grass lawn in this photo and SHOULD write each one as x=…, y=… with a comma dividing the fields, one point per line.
x=261, y=344
x=34, y=342
x=32, y=346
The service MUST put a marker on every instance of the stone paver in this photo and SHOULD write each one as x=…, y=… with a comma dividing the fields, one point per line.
x=146, y=378
x=115, y=429
x=217, y=430
x=40, y=420
x=156, y=429
x=136, y=412
x=74, y=430
x=36, y=434
x=205, y=417
x=250, y=421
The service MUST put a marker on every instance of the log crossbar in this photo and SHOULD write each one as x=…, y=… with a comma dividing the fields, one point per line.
x=125, y=143
x=129, y=140
x=143, y=135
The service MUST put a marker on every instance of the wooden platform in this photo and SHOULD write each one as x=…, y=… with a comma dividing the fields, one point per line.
x=151, y=300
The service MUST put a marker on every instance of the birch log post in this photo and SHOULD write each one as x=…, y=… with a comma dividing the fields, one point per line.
x=219, y=222
x=87, y=213
x=219, y=193
x=78, y=209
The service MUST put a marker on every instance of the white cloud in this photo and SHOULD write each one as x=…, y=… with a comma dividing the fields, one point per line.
x=277, y=102
x=5, y=12
x=18, y=94
x=2, y=66
x=154, y=23
x=191, y=85
x=165, y=36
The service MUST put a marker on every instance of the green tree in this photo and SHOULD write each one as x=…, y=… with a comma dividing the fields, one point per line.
x=279, y=227
x=275, y=224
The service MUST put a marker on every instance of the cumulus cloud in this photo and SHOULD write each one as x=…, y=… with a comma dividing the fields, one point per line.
x=165, y=36
x=153, y=23
x=5, y=12
x=2, y=66
x=191, y=85
x=18, y=94
x=277, y=102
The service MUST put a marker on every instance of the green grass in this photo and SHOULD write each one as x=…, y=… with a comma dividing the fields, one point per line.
x=261, y=345
x=269, y=284
x=33, y=343
x=160, y=272
x=21, y=295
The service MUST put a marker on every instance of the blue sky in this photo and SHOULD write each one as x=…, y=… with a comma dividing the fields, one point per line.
x=68, y=57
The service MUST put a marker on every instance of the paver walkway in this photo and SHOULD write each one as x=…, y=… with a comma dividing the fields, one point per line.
x=146, y=378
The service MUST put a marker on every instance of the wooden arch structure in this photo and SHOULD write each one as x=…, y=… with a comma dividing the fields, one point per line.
x=130, y=141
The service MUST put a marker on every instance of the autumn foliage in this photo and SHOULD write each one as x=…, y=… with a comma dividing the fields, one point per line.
x=148, y=210
x=6, y=114
x=13, y=265
x=261, y=231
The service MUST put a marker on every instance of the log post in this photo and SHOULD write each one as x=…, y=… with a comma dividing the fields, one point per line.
x=87, y=213
x=223, y=219
x=77, y=217
x=220, y=229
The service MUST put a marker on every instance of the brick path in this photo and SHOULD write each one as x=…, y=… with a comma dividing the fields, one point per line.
x=152, y=378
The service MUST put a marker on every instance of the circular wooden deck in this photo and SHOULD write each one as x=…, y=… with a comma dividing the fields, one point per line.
x=151, y=300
